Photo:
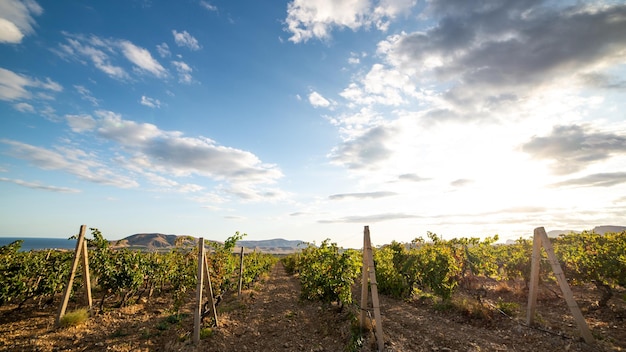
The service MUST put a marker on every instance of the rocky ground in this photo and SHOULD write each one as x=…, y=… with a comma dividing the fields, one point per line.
x=271, y=317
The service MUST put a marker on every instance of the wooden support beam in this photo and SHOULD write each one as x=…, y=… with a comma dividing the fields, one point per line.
x=197, y=317
x=540, y=238
x=240, y=272
x=211, y=296
x=68, y=289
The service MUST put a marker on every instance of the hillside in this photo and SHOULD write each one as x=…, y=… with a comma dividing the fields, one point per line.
x=598, y=229
x=162, y=242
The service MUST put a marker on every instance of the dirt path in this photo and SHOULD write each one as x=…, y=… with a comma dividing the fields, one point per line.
x=274, y=318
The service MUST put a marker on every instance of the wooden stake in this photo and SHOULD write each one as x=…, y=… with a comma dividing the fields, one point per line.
x=368, y=267
x=208, y=278
x=541, y=237
x=197, y=318
x=81, y=246
x=86, y=276
x=534, y=279
x=240, y=272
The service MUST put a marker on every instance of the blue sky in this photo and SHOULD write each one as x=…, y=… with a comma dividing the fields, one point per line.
x=308, y=119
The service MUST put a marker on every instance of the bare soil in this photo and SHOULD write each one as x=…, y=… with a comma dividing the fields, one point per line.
x=272, y=317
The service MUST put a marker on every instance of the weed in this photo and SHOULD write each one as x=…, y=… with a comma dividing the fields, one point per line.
x=508, y=308
x=74, y=318
x=206, y=332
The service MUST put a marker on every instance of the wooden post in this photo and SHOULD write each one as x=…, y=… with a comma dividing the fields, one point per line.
x=211, y=297
x=197, y=317
x=368, y=266
x=534, y=279
x=81, y=247
x=86, y=276
x=541, y=237
x=240, y=272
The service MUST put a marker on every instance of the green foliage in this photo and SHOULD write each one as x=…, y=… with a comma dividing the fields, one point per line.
x=327, y=273
x=25, y=275
x=595, y=258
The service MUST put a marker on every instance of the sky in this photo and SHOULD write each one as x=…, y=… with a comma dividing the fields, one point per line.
x=310, y=119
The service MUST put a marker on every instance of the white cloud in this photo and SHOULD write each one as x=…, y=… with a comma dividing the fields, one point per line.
x=166, y=155
x=103, y=53
x=150, y=102
x=185, y=39
x=316, y=19
x=85, y=94
x=184, y=71
x=24, y=107
x=36, y=185
x=208, y=5
x=14, y=86
x=164, y=50
x=142, y=58
x=317, y=100
x=80, y=123
x=16, y=19
x=74, y=161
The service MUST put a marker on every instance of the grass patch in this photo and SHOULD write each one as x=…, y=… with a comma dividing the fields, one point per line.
x=206, y=333
x=74, y=318
x=508, y=308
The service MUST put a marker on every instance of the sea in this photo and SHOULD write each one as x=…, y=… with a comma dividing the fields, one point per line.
x=40, y=243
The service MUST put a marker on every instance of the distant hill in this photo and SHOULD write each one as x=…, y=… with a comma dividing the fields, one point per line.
x=162, y=242
x=598, y=229
x=277, y=245
x=609, y=228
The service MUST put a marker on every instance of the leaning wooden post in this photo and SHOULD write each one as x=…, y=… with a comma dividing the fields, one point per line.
x=68, y=289
x=368, y=266
x=197, y=317
x=567, y=291
x=211, y=297
x=240, y=272
x=541, y=238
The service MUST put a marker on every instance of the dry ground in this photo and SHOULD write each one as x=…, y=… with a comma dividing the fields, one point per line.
x=271, y=317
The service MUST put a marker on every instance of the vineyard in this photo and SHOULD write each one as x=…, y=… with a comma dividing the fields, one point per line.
x=436, y=294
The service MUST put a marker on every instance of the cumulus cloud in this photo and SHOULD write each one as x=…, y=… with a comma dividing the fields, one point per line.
x=166, y=155
x=573, y=148
x=80, y=123
x=150, y=102
x=39, y=186
x=185, y=39
x=491, y=55
x=16, y=19
x=364, y=151
x=74, y=161
x=142, y=58
x=317, y=100
x=184, y=72
x=317, y=19
x=164, y=50
x=14, y=86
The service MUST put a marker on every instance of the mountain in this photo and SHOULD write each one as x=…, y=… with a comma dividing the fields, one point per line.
x=162, y=242
x=608, y=228
x=147, y=241
x=598, y=229
x=275, y=246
